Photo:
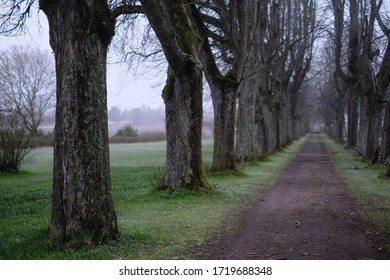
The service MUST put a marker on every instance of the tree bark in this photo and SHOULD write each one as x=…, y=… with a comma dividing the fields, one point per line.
x=224, y=103
x=182, y=94
x=246, y=133
x=353, y=119
x=386, y=142
x=266, y=123
x=183, y=106
x=252, y=133
x=224, y=87
x=82, y=205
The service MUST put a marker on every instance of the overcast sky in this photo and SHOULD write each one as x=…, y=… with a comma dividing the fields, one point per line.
x=124, y=89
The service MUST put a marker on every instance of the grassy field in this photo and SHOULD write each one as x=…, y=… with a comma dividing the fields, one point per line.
x=367, y=185
x=152, y=224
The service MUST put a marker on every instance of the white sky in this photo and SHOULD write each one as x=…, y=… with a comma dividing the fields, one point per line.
x=124, y=89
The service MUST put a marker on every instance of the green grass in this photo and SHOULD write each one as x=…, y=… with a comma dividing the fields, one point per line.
x=152, y=224
x=367, y=185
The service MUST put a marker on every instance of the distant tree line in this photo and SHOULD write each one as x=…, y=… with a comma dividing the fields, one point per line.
x=137, y=116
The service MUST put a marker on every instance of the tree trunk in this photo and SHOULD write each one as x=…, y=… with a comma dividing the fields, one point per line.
x=277, y=118
x=353, y=119
x=246, y=126
x=224, y=87
x=340, y=123
x=288, y=117
x=224, y=103
x=248, y=148
x=183, y=106
x=82, y=205
x=372, y=140
x=386, y=141
x=361, y=142
x=266, y=124
x=182, y=94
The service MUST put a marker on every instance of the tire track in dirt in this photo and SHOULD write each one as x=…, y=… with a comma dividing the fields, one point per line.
x=306, y=215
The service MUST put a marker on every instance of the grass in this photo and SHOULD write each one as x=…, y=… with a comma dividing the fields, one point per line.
x=152, y=224
x=366, y=184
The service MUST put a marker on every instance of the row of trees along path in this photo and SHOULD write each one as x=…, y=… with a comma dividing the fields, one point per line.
x=255, y=55
x=306, y=215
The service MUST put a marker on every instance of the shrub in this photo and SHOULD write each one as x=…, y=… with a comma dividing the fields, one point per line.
x=143, y=137
x=15, y=143
x=127, y=131
x=44, y=139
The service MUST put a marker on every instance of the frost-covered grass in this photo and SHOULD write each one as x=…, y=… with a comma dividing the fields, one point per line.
x=367, y=185
x=153, y=225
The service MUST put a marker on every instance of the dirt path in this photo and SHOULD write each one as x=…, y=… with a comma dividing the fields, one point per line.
x=307, y=215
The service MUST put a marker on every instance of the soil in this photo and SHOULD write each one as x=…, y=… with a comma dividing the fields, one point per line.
x=306, y=215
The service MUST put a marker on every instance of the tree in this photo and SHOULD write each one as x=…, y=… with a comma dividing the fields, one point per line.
x=115, y=114
x=362, y=65
x=278, y=64
x=228, y=31
x=15, y=142
x=383, y=77
x=365, y=102
x=80, y=33
x=127, y=131
x=27, y=84
x=182, y=94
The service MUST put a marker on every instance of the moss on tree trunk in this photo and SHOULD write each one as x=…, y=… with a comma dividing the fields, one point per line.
x=182, y=94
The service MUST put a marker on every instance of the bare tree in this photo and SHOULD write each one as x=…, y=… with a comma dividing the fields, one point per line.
x=27, y=84
x=367, y=84
x=15, y=142
x=383, y=78
x=223, y=27
x=278, y=64
x=182, y=94
x=80, y=33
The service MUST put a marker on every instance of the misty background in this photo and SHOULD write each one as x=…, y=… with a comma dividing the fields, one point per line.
x=134, y=95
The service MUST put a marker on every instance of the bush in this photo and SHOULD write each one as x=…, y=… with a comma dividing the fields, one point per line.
x=127, y=131
x=144, y=137
x=44, y=139
x=15, y=143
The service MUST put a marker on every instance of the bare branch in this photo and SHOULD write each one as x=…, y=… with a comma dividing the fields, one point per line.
x=13, y=15
x=127, y=10
x=27, y=84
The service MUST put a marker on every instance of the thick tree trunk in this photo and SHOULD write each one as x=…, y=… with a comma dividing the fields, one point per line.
x=224, y=103
x=183, y=105
x=288, y=118
x=224, y=87
x=278, y=111
x=182, y=94
x=246, y=126
x=353, y=119
x=266, y=130
x=82, y=205
x=277, y=118
x=248, y=147
x=248, y=138
x=386, y=140
x=372, y=140
x=340, y=124
x=361, y=142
